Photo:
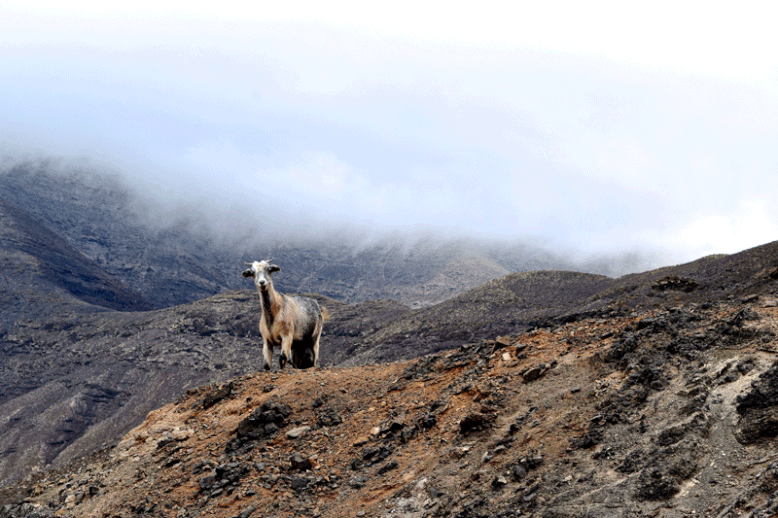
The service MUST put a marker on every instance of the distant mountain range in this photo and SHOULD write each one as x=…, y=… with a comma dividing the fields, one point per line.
x=169, y=260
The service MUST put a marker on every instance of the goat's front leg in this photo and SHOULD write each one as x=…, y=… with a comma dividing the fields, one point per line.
x=267, y=352
x=316, y=352
x=286, y=350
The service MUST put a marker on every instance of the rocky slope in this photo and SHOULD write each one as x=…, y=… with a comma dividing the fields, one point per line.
x=95, y=376
x=71, y=383
x=665, y=411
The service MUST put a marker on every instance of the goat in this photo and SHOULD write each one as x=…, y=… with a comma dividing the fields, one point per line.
x=295, y=323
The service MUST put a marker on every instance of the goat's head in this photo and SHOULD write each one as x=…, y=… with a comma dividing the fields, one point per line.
x=260, y=271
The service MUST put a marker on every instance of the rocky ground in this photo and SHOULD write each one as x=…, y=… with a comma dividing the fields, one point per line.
x=661, y=412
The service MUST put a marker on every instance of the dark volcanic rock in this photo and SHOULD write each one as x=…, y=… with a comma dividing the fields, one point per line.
x=663, y=478
x=758, y=409
x=24, y=511
x=223, y=476
x=263, y=422
x=218, y=394
x=673, y=282
x=328, y=417
x=477, y=421
x=300, y=463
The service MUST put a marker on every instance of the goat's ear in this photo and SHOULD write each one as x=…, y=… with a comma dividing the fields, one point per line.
x=248, y=273
x=274, y=268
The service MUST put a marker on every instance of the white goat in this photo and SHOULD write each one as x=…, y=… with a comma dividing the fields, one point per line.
x=294, y=323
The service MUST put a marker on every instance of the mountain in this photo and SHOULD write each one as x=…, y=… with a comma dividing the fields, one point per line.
x=95, y=372
x=520, y=301
x=550, y=392
x=40, y=271
x=103, y=218
x=173, y=256
x=507, y=305
x=83, y=259
x=657, y=399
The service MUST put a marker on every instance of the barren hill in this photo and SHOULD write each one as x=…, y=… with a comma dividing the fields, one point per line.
x=666, y=411
x=95, y=376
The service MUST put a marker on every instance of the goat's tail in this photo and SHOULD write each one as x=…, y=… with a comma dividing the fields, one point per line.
x=325, y=314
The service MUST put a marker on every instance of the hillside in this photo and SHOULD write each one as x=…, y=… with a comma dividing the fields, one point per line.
x=661, y=412
x=39, y=271
x=548, y=393
x=83, y=261
x=72, y=383
x=95, y=376
x=510, y=304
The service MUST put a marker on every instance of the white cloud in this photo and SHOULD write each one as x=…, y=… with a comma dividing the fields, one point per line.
x=730, y=41
x=314, y=175
x=602, y=123
x=751, y=224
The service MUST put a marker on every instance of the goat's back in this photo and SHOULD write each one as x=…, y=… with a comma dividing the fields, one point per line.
x=308, y=317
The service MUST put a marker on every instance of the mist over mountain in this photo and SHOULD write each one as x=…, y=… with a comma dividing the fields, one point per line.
x=171, y=251
x=94, y=337
x=85, y=255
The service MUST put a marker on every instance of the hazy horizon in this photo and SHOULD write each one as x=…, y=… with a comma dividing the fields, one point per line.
x=248, y=230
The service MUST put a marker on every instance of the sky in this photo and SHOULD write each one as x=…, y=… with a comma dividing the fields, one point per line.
x=599, y=127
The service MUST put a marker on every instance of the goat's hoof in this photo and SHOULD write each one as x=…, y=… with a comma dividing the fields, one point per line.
x=282, y=361
x=266, y=367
